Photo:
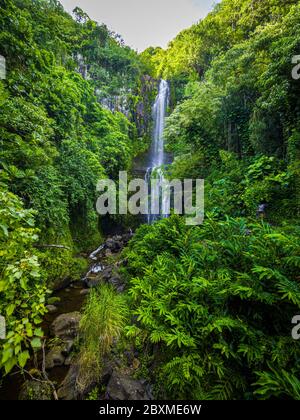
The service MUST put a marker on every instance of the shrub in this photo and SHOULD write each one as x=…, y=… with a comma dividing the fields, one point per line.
x=22, y=289
x=218, y=300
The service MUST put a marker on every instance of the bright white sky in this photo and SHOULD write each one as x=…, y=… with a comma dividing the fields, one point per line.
x=144, y=23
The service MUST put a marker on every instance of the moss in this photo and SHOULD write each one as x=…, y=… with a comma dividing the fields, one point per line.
x=94, y=394
x=35, y=390
x=60, y=264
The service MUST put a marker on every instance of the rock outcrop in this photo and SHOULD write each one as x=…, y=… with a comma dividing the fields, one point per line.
x=65, y=328
x=123, y=387
x=36, y=390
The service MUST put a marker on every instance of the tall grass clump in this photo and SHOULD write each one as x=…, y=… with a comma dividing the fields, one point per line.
x=103, y=320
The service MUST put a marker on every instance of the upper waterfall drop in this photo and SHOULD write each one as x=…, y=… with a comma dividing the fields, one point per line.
x=159, y=113
x=157, y=154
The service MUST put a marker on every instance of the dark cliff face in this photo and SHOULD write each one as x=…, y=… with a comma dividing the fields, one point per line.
x=136, y=104
x=142, y=112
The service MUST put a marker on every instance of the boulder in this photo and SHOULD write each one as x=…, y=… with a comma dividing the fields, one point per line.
x=85, y=292
x=54, y=358
x=67, y=347
x=66, y=326
x=117, y=282
x=110, y=244
x=60, y=284
x=69, y=389
x=51, y=309
x=126, y=238
x=122, y=387
x=108, y=253
x=93, y=281
x=106, y=273
x=114, y=244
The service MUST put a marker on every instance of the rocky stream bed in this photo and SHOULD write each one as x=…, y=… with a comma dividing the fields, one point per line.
x=58, y=361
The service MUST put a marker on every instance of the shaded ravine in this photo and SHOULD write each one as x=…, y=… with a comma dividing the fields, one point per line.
x=71, y=298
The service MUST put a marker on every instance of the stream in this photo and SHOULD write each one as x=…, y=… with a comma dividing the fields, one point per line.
x=103, y=268
x=71, y=300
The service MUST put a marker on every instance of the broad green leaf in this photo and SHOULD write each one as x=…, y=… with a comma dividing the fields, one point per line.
x=23, y=358
x=36, y=343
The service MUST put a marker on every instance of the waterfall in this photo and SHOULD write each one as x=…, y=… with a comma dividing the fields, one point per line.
x=159, y=114
x=157, y=155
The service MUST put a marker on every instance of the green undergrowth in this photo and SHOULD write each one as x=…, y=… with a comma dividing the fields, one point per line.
x=214, y=305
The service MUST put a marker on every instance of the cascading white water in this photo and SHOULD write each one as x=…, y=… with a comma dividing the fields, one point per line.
x=157, y=155
x=159, y=114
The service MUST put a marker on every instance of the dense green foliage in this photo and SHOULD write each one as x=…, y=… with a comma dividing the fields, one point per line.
x=237, y=124
x=56, y=141
x=22, y=288
x=210, y=306
x=217, y=301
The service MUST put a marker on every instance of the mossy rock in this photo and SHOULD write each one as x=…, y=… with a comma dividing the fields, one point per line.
x=35, y=390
